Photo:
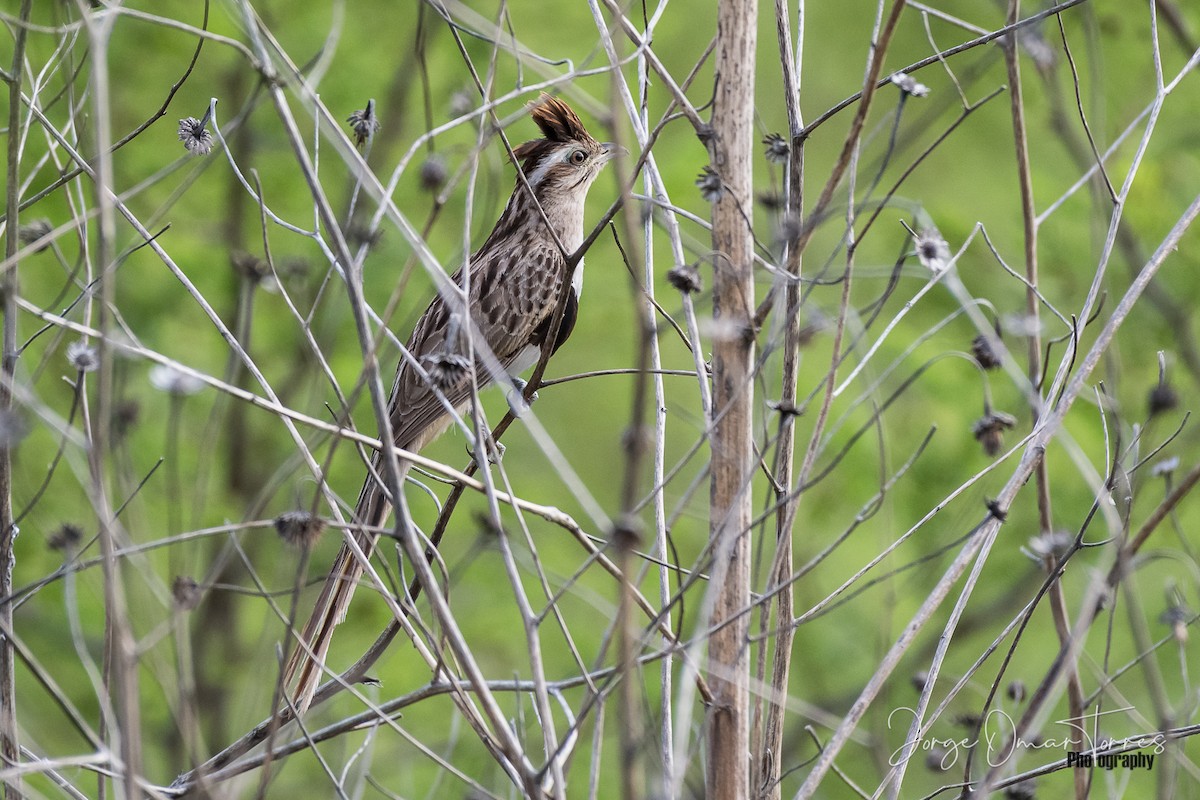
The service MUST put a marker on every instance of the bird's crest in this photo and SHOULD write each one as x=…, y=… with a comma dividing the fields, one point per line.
x=557, y=121
x=559, y=124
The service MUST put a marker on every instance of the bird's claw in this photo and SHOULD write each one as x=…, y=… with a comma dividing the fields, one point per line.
x=494, y=449
x=516, y=398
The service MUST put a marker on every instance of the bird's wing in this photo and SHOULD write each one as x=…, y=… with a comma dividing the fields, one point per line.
x=513, y=295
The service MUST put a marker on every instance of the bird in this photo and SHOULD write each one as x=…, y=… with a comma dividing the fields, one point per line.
x=516, y=283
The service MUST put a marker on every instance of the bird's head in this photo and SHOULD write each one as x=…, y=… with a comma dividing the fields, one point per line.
x=567, y=159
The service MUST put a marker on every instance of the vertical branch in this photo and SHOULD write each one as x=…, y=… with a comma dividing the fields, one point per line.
x=730, y=511
x=1029, y=220
x=626, y=536
x=1058, y=604
x=627, y=529
x=627, y=532
x=658, y=467
x=768, y=758
x=121, y=659
x=638, y=113
x=10, y=749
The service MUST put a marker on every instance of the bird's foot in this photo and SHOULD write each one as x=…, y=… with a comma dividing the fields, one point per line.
x=516, y=398
x=494, y=450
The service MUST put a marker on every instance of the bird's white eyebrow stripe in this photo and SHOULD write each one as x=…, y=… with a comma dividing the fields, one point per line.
x=544, y=167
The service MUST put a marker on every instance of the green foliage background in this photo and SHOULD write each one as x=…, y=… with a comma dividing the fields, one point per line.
x=224, y=463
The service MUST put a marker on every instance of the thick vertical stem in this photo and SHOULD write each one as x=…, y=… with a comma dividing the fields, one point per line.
x=728, y=768
x=10, y=749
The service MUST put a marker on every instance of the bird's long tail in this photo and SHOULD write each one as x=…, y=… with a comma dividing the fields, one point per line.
x=306, y=665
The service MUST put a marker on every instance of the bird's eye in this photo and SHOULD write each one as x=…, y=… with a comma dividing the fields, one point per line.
x=578, y=157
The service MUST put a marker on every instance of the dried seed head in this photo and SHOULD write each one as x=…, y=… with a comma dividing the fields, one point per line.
x=195, y=136
x=932, y=250
x=806, y=334
x=168, y=379
x=1022, y=326
x=361, y=234
x=445, y=369
x=462, y=103
x=1177, y=617
x=1165, y=467
x=249, y=266
x=31, y=232
x=67, y=537
x=711, y=186
x=989, y=430
x=1025, y=790
x=938, y=760
x=1049, y=545
x=770, y=201
x=778, y=148
x=186, y=592
x=636, y=439
x=725, y=329
x=996, y=509
x=487, y=525
x=294, y=267
x=433, y=173
x=83, y=357
x=788, y=228
x=908, y=85
x=985, y=355
x=1016, y=691
x=685, y=278
x=1162, y=399
x=363, y=124
x=125, y=417
x=817, y=323
x=1037, y=48
x=785, y=408
x=299, y=528
x=968, y=719
x=627, y=532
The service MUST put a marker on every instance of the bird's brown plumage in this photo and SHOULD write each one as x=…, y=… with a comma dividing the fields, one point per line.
x=516, y=280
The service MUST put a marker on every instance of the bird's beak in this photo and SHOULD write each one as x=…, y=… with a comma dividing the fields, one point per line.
x=610, y=150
